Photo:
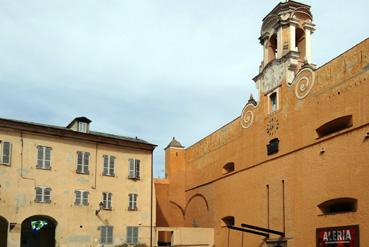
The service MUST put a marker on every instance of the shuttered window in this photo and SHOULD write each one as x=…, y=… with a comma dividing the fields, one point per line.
x=134, y=168
x=43, y=157
x=43, y=195
x=106, y=234
x=132, y=234
x=132, y=201
x=108, y=165
x=83, y=162
x=81, y=197
x=107, y=200
x=5, y=152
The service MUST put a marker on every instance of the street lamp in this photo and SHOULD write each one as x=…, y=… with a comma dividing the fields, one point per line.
x=101, y=204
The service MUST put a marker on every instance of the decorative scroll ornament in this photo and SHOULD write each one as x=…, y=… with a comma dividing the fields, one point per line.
x=247, y=118
x=304, y=82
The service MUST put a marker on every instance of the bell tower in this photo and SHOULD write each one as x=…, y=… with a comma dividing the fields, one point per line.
x=286, y=40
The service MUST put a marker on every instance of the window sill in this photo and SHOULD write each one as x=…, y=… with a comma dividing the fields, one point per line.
x=107, y=209
x=40, y=202
x=83, y=173
x=5, y=164
x=81, y=205
x=338, y=213
x=43, y=168
x=134, y=178
x=133, y=209
x=108, y=175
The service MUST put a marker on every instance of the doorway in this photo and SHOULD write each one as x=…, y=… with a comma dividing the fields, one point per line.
x=38, y=230
x=3, y=232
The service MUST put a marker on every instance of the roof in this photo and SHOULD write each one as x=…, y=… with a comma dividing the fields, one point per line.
x=288, y=5
x=66, y=132
x=174, y=144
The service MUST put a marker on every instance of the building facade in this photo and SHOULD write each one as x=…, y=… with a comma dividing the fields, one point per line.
x=73, y=186
x=293, y=169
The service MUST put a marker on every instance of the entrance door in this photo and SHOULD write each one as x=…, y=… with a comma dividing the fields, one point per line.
x=38, y=230
x=3, y=231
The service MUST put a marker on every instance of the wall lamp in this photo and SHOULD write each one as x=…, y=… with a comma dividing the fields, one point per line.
x=367, y=135
x=101, y=204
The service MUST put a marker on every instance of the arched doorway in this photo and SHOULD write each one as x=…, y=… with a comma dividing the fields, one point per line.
x=38, y=230
x=3, y=231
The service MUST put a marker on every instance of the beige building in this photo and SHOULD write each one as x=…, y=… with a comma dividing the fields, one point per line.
x=292, y=170
x=73, y=186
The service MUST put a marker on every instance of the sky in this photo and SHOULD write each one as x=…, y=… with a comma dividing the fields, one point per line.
x=154, y=69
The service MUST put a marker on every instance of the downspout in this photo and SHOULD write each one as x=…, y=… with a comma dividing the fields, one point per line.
x=21, y=170
x=94, y=186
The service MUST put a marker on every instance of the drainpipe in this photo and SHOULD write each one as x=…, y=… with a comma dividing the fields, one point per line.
x=21, y=170
x=151, y=201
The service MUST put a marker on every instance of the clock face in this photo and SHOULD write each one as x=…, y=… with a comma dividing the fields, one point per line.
x=272, y=126
x=273, y=76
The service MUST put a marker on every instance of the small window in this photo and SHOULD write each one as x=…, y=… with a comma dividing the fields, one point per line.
x=228, y=221
x=335, y=125
x=43, y=195
x=229, y=167
x=106, y=234
x=81, y=197
x=338, y=205
x=273, y=102
x=5, y=152
x=82, y=162
x=132, y=202
x=134, y=169
x=43, y=157
x=107, y=200
x=82, y=127
x=132, y=234
x=273, y=146
x=108, y=165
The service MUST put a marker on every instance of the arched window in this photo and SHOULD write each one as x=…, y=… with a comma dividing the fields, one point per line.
x=334, y=126
x=228, y=221
x=338, y=205
x=229, y=167
x=300, y=43
x=272, y=48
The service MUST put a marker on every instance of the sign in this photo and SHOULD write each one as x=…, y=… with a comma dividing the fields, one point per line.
x=342, y=236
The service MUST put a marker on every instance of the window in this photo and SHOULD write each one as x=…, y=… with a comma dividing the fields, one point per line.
x=338, y=205
x=229, y=167
x=106, y=234
x=132, y=234
x=43, y=157
x=82, y=127
x=43, y=195
x=82, y=162
x=273, y=102
x=5, y=152
x=134, y=169
x=335, y=125
x=107, y=200
x=132, y=204
x=108, y=165
x=273, y=146
x=81, y=197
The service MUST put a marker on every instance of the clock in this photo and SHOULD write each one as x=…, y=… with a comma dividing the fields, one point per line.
x=272, y=126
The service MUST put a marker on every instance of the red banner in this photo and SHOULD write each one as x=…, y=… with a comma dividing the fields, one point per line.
x=342, y=236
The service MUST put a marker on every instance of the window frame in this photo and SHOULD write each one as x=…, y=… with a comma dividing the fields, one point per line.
x=270, y=101
x=82, y=199
x=134, y=169
x=132, y=234
x=104, y=234
x=84, y=168
x=42, y=161
x=2, y=155
x=82, y=127
x=45, y=195
x=107, y=200
x=132, y=201
x=109, y=165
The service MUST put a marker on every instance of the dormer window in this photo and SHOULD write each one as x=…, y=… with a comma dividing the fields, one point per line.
x=82, y=127
x=80, y=124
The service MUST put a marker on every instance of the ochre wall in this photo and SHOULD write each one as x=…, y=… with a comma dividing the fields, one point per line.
x=310, y=176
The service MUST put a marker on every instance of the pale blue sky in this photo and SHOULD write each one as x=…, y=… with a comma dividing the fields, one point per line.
x=148, y=68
